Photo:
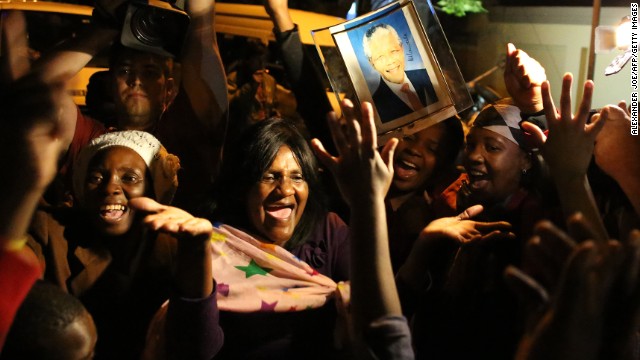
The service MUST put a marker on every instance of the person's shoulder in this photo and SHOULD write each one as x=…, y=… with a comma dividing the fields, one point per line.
x=88, y=127
x=330, y=228
x=334, y=220
x=335, y=229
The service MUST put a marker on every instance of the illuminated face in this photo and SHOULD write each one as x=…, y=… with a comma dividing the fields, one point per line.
x=387, y=56
x=276, y=203
x=114, y=176
x=416, y=158
x=141, y=90
x=494, y=165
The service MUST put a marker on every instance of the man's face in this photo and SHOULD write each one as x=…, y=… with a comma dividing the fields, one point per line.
x=141, y=90
x=387, y=56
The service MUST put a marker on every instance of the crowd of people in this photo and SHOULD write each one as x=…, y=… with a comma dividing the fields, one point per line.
x=512, y=237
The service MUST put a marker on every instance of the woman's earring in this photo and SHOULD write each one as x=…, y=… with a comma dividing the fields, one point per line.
x=524, y=171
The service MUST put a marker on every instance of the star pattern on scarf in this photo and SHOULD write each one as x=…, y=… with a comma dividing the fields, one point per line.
x=267, y=246
x=266, y=307
x=217, y=237
x=253, y=269
x=223, y=289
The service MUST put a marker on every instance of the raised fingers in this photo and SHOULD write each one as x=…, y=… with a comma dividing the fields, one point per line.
x=597, y=123
x=368, y=128
x=538, y=135
x=388, y=151
x=325, y=158
x=351, y=127
x=549, y=106
x=337, y=133
x=491, y=226
x=581, y=230
x=470, y=212
x=585, y=104
x=565, y=97
x=525, y=286
x=196, y=227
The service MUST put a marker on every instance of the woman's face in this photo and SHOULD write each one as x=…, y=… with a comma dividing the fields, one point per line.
x=114, y=176
x=275, y=203
x=494, y=165
x=416, y=158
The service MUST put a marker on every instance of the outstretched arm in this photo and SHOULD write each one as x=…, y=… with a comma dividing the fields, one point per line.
x=307, y=85
x=30, y=144
x=70, y=57
x=203, y=77
x=32, y=131
x=364, y=175
x=193, y=276
x=192, y=329
x=447, y=232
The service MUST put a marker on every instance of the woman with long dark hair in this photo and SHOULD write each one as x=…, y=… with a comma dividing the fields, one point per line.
x=275, y=235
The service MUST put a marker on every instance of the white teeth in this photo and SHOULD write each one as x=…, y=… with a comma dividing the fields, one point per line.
x=113, y=207
x=411, y=165
x=476, y=173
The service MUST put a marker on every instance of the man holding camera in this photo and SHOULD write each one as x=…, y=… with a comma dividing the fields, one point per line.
x=189, y=118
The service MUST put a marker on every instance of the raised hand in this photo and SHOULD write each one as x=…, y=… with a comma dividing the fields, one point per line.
x=523, y=77
x=569, y=148
x=193, y=273
x=360, y=170
x=364, y=175
x=172, y=220
x=31, y=132
x=612, y=148
x=278, y=10
x=570, y=144
x=595, y=310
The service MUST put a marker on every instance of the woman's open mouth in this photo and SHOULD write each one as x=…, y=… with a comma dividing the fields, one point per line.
x=279, y=212
x=112, y=212
x=477, y=179
x=405, y=169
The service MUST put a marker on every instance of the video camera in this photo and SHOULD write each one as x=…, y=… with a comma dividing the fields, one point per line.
x=155, y=26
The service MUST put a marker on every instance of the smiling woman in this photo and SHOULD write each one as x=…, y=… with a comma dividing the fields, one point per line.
x=118, y=251
x=270, y=194
x=500, y=171
x=269, y=170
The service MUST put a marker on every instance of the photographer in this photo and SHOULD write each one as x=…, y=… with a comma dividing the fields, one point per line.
x=192, y=125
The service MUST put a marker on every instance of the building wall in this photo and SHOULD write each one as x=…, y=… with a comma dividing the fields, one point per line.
x=557, y=36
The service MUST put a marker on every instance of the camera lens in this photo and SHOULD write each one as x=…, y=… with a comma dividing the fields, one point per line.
x=146, y=26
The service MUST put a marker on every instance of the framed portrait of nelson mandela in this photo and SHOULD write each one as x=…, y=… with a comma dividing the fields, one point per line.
x=387, y=59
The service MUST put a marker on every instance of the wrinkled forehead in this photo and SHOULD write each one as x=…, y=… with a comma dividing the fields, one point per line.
x=122, y=56
x=384, y=34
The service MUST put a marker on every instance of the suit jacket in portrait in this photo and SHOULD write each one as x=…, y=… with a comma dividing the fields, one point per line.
x=390, y=106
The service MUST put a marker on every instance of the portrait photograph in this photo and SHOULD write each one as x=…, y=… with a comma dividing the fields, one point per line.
x=391, y=64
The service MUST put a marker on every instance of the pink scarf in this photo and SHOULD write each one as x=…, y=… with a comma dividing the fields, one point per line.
x=255, y=276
